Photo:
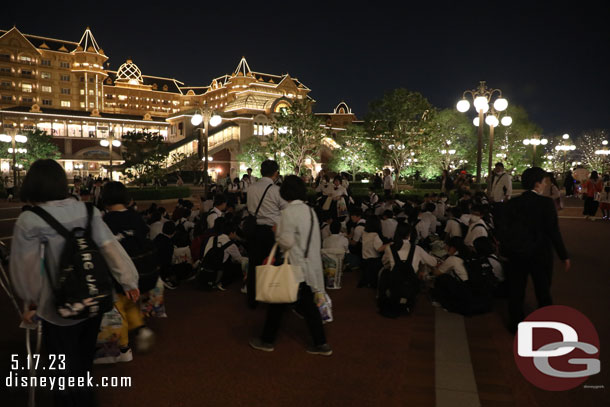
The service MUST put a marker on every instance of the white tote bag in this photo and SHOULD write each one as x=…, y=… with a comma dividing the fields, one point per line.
x=277, y=284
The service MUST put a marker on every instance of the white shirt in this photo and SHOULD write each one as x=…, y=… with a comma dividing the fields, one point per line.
x=188, y=225
x=496, y=268
x=456, y=265
x=430, y=219
x=182, y=255
x=475, y=232
x=336, y=192
x=155, y=229
x=207, y=205
x=269, y=213
x=358, y=230
x=325, y=230
x=439, y=211
x=388, y=183
x=423, y=228
x=371, y=242
x=231, y=251
x=215, y=214
x=337, y=241
x=420, y=256
x=388, y=228
x=345, y=183
x=500, y=183
x=452, y=228
x=465, y=219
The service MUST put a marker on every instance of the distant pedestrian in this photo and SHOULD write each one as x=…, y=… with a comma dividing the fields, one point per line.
x=568, y=183
x=593, y=188
x=388, y=183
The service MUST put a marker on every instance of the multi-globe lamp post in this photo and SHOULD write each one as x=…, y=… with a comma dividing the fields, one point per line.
x=493, y=120
x=208, y=118
x=448, y=153
x=535, y=142
x=565, y=147
x=604, y=151
x=481, y=99
x=111, y=142
x=13, y=150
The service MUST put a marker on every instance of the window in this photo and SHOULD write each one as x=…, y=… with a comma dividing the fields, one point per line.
x=26, y=72
x=91, y=104
x=27, y=100
x=65, y=77
x=91, y=80
x=5, y=57
x=47, y=102
x=25, y=58
x=65, y=91
x=47, y=89
x=64, y=64
x=45, y=62
x=7, y=98
x=26, y=87
x=5, y=69
x=45, y=75
x=65, y=103
x=122, y=97
x=82, y=91
x=82, y=79
x=6, y=84
x=91, y=92
x=82, y=105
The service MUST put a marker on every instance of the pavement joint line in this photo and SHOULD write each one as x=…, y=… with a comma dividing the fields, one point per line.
x=458, y=343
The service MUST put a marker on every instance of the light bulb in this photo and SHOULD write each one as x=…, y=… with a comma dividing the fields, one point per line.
x=463, y=105
x=500, y=104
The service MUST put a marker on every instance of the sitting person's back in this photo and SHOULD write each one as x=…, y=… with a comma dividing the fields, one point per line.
x=336, y=240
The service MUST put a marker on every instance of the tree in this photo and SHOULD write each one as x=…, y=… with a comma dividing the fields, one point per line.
x=39, y=146
x=253, y=152
x=356, y=153
x=398, y=122
x=587, y=144
x=144, y=154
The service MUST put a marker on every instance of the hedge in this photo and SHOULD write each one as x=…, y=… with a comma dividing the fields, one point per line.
x=155, y=194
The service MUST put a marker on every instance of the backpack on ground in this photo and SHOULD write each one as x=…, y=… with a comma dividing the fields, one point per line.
x=482, y=283
x=398, y=287
x=84, y=286
x=209, y=271
x=249, y=225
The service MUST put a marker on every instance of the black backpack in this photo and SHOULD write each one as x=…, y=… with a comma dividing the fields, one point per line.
x=481, y=283
x=398, y=287
x=249, y=225
x=84, y=286
x=143, y=253
x=209, y=271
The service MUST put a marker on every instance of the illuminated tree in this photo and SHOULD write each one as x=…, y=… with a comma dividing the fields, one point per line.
x=356, y=153
x=144, y=154
x=587, y=144
x=39, y=146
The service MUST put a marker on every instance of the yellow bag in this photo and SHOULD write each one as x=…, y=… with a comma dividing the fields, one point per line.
x=277, y=284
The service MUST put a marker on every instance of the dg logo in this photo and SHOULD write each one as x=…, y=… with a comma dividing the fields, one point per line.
x=557, y=348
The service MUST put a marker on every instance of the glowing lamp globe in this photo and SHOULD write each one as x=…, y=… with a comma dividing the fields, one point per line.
x=5, y=137
x=506, y=121
x=116, y=143
x=475, y=121
x=20, y=139
x=526, y=142
x=558, y=148
x=605, y=142
x=572, y=147
x=500, y=104
x=491, y=120
x=480, y=103
x=565, y=136
x=196, y=119
x=544, y=142
x=215, y=120
x=463, y=105
x=104, y=143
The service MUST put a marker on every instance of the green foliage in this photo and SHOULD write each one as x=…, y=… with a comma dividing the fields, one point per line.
x=357, y=153
x=253, y=152
x=153, y=194
x=39, y=146
x=399, y=123
x=586, y=146
x=144, y=154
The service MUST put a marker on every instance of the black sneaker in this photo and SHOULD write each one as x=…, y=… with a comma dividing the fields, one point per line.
x=258, y=344
x=323, y=350
x=170, y=285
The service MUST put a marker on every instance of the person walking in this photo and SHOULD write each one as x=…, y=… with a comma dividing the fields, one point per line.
x=298, y=231
x=591, y=196
x=46, y=186
x=528, y=233
x=568, y=183
x=501, y=185
x=388, y=183
x=264, y=202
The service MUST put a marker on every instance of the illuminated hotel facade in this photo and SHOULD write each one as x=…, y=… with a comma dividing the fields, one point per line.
x=67, y=89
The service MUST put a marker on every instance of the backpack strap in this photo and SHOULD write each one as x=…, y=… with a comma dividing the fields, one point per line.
x=262, y=198
x=46, y=216
x=310, y=232
x=411, y=252
x=89, y=206
x=395, y=256
x=226, y=245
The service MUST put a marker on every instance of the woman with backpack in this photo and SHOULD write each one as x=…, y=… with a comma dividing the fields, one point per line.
x=299, y=233
x=34, y=238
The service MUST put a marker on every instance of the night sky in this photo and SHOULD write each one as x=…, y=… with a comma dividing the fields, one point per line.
x=552, y=58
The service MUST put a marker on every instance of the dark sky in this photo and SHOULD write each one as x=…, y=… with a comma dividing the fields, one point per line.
x=550, y=57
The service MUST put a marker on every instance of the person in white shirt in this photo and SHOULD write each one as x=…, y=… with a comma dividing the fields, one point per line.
x=428, y=215
x=156, y=227
x=501, y=185
x=388, y=225
x=354, y=257
x=372, y=248
x=327, y=220
x=441, y=207
x=388, y=183
x=232, y=262
x=453, y=226
x=402, y=243
x=373, y=201
x=336, y=240
x=484, y=247
x=220, y=205
x=477, y=226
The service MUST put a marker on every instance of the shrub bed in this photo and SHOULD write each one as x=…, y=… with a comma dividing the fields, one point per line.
x=156, y=194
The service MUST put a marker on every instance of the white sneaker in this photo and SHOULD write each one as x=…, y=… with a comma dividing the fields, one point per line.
x=144, y=340
x=125, y=356
x=244, y=290
x=220, y=287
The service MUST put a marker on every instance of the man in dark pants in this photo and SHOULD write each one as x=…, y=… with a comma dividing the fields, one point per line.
x=266, y=219
x=529, y=231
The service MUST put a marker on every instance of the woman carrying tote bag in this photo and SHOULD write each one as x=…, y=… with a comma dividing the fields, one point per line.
x=299, y=236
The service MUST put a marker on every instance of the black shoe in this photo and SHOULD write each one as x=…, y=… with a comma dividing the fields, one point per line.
x=324, y=350
x=258, y=344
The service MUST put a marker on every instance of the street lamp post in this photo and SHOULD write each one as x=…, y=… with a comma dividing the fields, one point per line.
x=110, y=142
x=565, y=148
x=208, y=118
x=604, y=151
x=534, y=142
x=481, y=99
x=448, y=153
x=13, y=150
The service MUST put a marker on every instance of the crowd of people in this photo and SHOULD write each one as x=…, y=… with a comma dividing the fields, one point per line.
x=461, y=253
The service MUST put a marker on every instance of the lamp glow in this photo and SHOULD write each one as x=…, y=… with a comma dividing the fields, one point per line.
x=565, y=136
x=544, y=142
x=491, y=120
x=215, y=120
x=104, y=143
x=21, y=139
x=5, y=138
x=463, y=105
x=475, y=121
x=116, y=143
x=500, y=104
x=196, y=119
x=526, y=142
x=605, y=142
x=506, y=121
x=480, y=103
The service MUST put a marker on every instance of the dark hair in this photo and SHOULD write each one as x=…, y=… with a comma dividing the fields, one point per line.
x=356, y=211
x=325, y=216
x=169, y=228
x=228, y=228
x=45, y=181
x=388, y=214
x=114, y=193
x=458, y=243
x=483, y=247
x=155, y=217
x=477, y=208
x=499, y=164
x=268, y=168
x=293, y=188
x=403, y=230
x=456, y=212
x=430, y=207
x=335, y=228
x=337, y=178
x=531, y=176
x=249, y=169
x=220, y=199
x=219, y=225
x=594, y=175
x=373, y=225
